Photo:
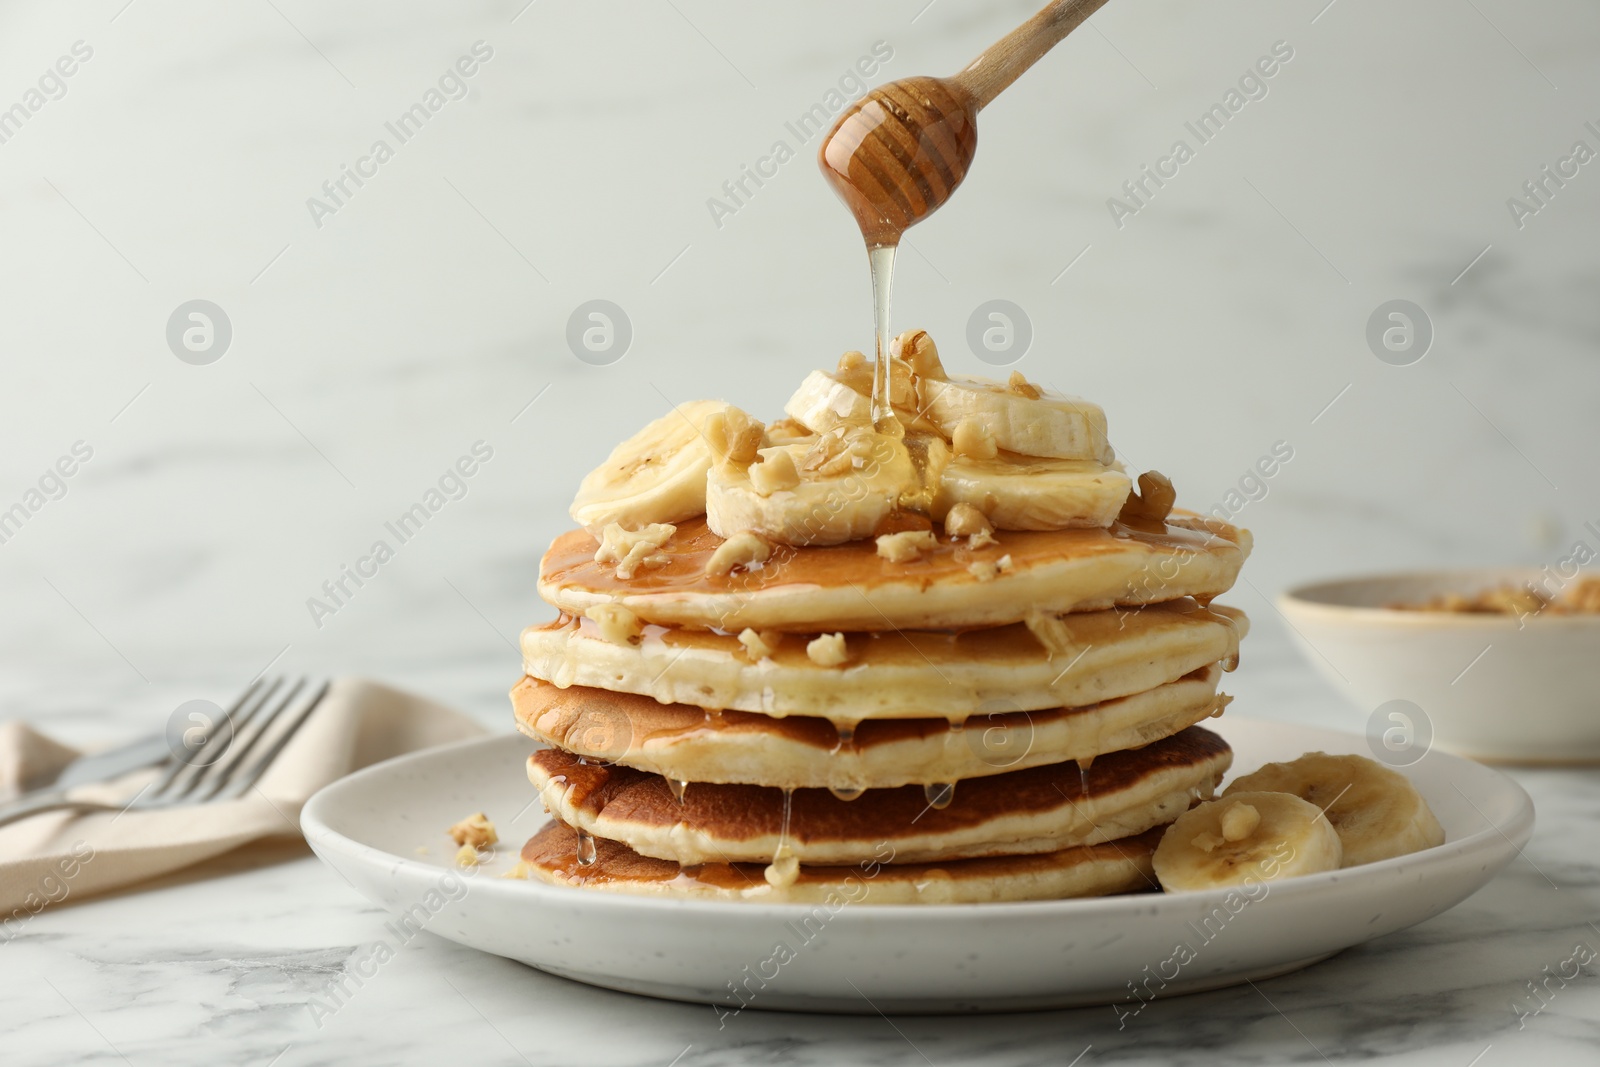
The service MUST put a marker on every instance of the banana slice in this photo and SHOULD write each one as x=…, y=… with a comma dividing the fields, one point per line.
x=1019, y=416
x=848, y=485
x=657, y=475
x=842, y=399
x=1244, y=839
x=1376, y=811
x=1031, y=493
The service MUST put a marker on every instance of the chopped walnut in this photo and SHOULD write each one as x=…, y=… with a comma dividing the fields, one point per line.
x=734, y=437
x=774, y=472
x=1239, y=822
x=988, y=570
x=617, y=624
x=920, y=354
x=1022, y=387
x=828, y=650
x=1153, y=502
x=1052, y=632
x=467, y=856
x=964, y=520
x=969, y=438
x=852, y=362
x=633, y=550
x=519, y=872
x=906, y=545
x=740, y=550
x=760, y=645
x=475, y=830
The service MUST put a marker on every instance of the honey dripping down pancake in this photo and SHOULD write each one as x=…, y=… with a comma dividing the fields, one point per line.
x=851, y=587
x=1069, y=661
x=553, y=855
x=684, y=743
x=1040, y=809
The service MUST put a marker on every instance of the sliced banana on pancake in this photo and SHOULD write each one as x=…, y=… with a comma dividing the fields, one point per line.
x=1019, y=416
x=685, y=743
x=1017, y=492
x=842, y=399
x=1375, y=810
x=1119, y=866
x=850, y=587
x=896, y=673
x=1041, y=809
x=1246, y=839
x=657, y=475
x=834, y=489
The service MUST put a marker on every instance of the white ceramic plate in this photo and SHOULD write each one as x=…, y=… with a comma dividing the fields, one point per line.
x=865, y=958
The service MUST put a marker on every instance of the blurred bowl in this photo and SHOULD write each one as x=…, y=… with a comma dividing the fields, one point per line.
x=1495, y=687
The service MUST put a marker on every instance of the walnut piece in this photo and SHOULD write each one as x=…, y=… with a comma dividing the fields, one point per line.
x=906, y=545
x=1052, y=632
x=760, y=645
x=475, y=830
x=828, y=650
x=634, y=550
x=1153, y=502
x=467, y=857
x=920, y=354
x=617, y=624
x=773, y=472
x=1022, y=387
x=734, y=438
x=1239, y=822
x=740, y=550
x=969, y=438
x=988, y=570
x=964, y=520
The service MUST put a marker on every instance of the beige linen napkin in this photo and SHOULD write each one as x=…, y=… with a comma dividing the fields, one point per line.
x=49, y=857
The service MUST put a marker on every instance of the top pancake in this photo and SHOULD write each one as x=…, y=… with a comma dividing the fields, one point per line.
x=849, y=587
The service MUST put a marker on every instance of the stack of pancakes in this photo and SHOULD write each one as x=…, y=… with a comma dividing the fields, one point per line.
x=1007, y=720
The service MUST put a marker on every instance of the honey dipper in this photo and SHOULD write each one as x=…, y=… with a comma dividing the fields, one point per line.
x=896, y=155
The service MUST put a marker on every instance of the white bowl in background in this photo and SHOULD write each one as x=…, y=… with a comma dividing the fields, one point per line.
x=1495, y=687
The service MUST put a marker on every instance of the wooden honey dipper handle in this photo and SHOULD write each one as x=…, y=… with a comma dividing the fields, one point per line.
x=1005, y=60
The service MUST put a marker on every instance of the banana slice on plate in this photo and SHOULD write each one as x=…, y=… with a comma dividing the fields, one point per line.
x=1243, y=839
x=657, y=475
x=1033, y=493
x=1021, y=417
x=837, y=488
x=1376, y=811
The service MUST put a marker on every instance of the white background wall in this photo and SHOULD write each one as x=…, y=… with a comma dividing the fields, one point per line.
x=370, y=352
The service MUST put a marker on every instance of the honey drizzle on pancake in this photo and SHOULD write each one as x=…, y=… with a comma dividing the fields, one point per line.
x=785, y=866
x=939, y=794
x=586, y=848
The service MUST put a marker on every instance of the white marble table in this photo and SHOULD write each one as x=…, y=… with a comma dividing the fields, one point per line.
x=374, y=343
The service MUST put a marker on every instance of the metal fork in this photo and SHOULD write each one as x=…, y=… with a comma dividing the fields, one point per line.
x=183, y=781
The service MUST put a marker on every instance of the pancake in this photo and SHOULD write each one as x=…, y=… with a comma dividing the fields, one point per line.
x=1098, y=870
x=892, y=674
x=684, y=743
x=1041, y=809
x=850, y=587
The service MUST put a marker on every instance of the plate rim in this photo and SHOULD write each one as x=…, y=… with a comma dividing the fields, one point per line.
x=1514, y=831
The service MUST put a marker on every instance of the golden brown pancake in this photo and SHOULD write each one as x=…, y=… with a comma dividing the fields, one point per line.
x=910, y=673
x=1097, y=870
x=850, y=587
x=684, y=743
x=1040, y=809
